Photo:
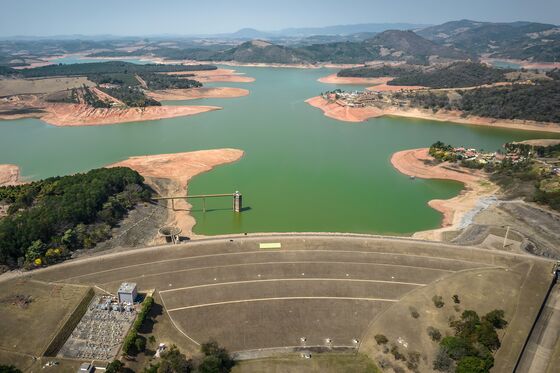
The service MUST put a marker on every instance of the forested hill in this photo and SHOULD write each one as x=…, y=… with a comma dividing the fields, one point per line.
x=517, y=40
x=454, y=75
x=392, y=45
x=259, y=51
x=49, y=219
x=111, y=67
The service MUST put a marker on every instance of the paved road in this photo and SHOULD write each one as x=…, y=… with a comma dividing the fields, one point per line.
x=544, y=338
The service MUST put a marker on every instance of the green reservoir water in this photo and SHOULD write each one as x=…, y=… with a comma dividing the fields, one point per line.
x=301, y=171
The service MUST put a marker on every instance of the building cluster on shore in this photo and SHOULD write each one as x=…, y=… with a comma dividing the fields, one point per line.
x=515, y=153
x=367, y=98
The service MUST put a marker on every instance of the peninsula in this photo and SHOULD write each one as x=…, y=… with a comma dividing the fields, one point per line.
x=110, y=92
x=178, y=169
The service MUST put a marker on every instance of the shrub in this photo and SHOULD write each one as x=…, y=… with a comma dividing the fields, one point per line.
x=443, y=362
x=438, y=301
x=396, y=353
x=114, y=366
x=456, y=299
x=381, y=339
x=140, y=344
x=414, y=312
x=434, y=333
x=9, y=369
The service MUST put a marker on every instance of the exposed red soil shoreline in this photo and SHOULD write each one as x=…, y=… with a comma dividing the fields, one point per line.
x=197, y=93
x=179, y=169
x=350, y=114
x=9, y=175
x=418, y=163
x=83, y=115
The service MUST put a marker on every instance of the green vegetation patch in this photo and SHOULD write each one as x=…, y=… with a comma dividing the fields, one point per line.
x=537, y=101
x=471, y=348
x=49, y=219
x=131, y=96
x=111, y=67
x=376, y=72
x=134, y=343
x=456, y=75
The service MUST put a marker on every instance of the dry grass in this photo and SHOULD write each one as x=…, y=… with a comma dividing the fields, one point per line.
x=9, y=87
x=319, y=363
x=29, y=330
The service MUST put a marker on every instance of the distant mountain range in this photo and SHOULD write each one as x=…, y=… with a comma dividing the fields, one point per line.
x=391, y=45
x=518, y=40
x=247, y=33
x=412, y=43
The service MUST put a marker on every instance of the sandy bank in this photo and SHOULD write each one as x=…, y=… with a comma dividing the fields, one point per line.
x=219, y=75
x=83, y=115
x=376, y=84
x=344, y=113
x=350, y=114
x=195, y=93
x=9, y=175
x=179, y=168
x=418, y=163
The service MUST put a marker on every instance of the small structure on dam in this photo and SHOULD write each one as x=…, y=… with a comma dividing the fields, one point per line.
x=170, y=233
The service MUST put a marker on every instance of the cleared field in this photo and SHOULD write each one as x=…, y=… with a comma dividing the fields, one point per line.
x=9, y=87
x=27, y=330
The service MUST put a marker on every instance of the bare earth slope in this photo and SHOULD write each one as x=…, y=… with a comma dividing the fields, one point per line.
x=196, y=93
x=81, y=115
x=9, y=174
x=179, y=168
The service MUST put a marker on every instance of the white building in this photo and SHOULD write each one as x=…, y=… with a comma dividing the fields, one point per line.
x=127, y=292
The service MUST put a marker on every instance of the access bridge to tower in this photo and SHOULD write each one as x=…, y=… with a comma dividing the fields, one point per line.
x=237, y=199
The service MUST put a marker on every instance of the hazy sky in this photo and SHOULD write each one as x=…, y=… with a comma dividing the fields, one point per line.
x=147, y=17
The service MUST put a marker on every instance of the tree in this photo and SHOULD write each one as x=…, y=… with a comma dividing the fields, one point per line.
x=171, y=361
x=140, y=343
x=380, y=339
x=114, y=366
x=471, y=364
x=9, y=369
x=487, y=336
x=457, y=347
x=210, y=364
x=496, y=318
x=215, y=356
x=129, y=344
x=434, y=333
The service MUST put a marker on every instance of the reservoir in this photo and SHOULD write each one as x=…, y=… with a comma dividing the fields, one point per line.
x=301, y=171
